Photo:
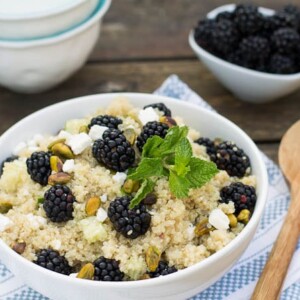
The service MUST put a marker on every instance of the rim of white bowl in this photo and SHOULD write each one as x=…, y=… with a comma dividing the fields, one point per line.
x=101, y=9
x=36, y=15
x=182, y=273
x=198, y=49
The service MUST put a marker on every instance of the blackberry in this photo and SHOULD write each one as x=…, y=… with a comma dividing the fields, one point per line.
x=236, y=58
x=162, y=270
x=281, y=64
x=114, y=151
x=203, y=34
x=224, y=38
x=248, y=19
x=131, y=223
x=285, y=41
x=294, y=11
x=149, y=130
x=38, y=167
x=7, y=160
x=243, y=196
x=161, y=107
x=107, y=270
x=208, y=143
x=283, y=20
x=106, y=120
x=225, y=15
x=58, y=203
x=51, y=260
x=254, y=50
x=231, y=159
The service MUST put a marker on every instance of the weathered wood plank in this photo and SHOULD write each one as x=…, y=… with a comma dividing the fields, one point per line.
x=263, y=123
x=155, y=28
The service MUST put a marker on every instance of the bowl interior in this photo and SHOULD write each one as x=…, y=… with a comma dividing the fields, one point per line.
x=51, y=119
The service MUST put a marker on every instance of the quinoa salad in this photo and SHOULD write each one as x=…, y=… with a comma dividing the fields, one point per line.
x=127, y=193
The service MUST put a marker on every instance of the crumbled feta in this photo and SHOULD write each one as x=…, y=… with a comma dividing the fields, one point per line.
x=38, y=138
x=148, y=115
x=56, y=244
x=103, y=198
x=36, y=221
x=64, y=135
x=191, y=232
x=218, y=219
x=96, y=132
x=69, y=165
x=79, y=142
x=73, y=275
x=120, y=177
x=4, y=222
x=19, y=148
x=101, y=215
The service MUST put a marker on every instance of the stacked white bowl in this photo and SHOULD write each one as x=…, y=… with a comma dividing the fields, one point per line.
x=42, y=43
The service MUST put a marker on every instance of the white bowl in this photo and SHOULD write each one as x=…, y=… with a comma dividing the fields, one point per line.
x=179, y=285
x=38, y=65
x=34, y=19
x=248, y=85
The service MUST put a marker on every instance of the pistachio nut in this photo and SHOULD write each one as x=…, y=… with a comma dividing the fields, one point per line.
x=202, y=228
x=19, y=247
x=59, y=178
x=168, y=121
x=83, y=129
x=62, y=150
x=244, y=216
x=5, y=207
x=232, y=220
x=152, y=258
x=92, y=205
x=130, y=135
x=55, y=142
x=130, y=186
x=56, y=164
x=87, y=272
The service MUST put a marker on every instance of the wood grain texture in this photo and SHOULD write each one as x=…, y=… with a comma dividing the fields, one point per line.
x=147, y=29
x=264, y=123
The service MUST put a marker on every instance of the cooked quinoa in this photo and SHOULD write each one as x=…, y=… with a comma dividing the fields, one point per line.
x=173, y=221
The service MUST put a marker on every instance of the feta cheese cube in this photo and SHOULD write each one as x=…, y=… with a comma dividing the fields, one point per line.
x=218, y=219
x=103, y=198
x=96, y=132
x=101, y=215
x=148, y=115
x=120, y=177
x=4, y=223
x=69, y=165
x=79, y=142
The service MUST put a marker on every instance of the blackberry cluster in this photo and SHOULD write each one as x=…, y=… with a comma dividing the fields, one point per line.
x=106, y=120
x=162, y=270
x=149, y=130
x=243, y=196
x=53, y=261
x=131, y=223
x=114, y=151
x=7, y=160
x=247, y=38
x=209, y=144
x=38, y=167
x=58, y=203
x=107, y=270
x=161, y=107
x=232, y=159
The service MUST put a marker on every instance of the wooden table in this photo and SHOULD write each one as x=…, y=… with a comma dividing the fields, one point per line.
x=144, y=41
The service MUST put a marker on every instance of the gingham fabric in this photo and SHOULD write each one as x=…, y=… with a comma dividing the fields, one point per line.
x=239, y=282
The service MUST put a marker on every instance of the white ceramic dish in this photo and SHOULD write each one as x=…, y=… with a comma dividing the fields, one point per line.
x=35, y=66
x=248, y=85
x=28, y=19
x=179, y=285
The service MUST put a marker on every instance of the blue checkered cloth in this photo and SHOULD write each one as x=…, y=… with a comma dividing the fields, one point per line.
x=239, y=282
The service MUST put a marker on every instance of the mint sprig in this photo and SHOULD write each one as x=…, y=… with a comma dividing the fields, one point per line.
x=171, y=157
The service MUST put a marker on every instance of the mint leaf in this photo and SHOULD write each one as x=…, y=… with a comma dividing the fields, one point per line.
x=151, y=146
x=146, y=188
x=183, y=154
x=201, y=172
x=179, y=186
x=173, y=137
x=148, y=167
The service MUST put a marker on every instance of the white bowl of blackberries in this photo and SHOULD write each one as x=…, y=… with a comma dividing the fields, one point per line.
x=253, y=51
